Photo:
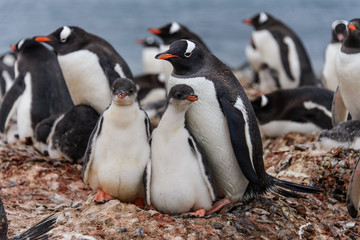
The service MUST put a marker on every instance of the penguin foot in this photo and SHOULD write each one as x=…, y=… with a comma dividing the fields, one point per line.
x=198, y=213
x=218, y=205
x=102, y=197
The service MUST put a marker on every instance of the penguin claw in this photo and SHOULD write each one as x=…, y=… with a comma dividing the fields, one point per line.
x=198, y=213
x=102, y=197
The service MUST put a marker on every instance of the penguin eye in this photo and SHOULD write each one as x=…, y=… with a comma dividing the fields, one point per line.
x=178, y=95
x=63, y=40
x=187, y=54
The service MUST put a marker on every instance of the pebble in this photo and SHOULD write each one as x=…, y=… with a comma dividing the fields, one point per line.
x=122, y=229
x=76, y=204
x=342, y=163
x=350, y=225
x=218, y=225
x=332, y=200
x=138, y=232
x=309, y=228
x=260, y=211
x=334, y=163
x=285, y=234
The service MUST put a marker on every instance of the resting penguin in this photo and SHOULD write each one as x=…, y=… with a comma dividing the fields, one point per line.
x=282, y=50
x=177, y=161
x=170, y=33
x=118, y=148
x=37, y=232
x=347, y=95
x=346, y=134
x=89, y=64
x=7, y=74
x=39, y=89
x=329, y=75
x=304, y=110
x=223, y=123
x=353, y=193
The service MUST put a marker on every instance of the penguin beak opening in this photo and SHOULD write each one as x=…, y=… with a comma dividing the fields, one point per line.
x=154, y=31
x=351, y=26
x=43, y=39
x=165, y=56
x=247, y=21
x=192, y=98
x=13, y=47
x=121, y=95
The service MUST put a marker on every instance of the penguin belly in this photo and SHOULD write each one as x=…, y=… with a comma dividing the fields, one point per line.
x=85, y=80
x=166, y=67
x=209, y=127
x=347, y=67
x=278, y=128
x=177, y=185
x=120, y=157
x=24, y=110
x=151, y=65
x=329, y=69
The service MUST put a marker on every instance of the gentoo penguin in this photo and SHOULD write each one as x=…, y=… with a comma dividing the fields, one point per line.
x=223, y=123
x=151, y=87
x=305, y=110
x=151, y=47
x=37, y=232
x=39, y=89
x=347, y=95
x=177, y=161
x=254, y=59
x=329, y=75
x=7, y=75
x=282, y=50
x=353, y=193
x=118, y=149
x=41, y=133
x=268, y=78
x=89, y=64
x=170, y=33
x=346, y=134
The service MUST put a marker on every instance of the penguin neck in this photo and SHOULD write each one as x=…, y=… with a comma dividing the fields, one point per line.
x=351, y=45
x=125, y=112
x=173, y=118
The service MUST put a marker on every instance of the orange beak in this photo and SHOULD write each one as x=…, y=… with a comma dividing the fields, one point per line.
x=352, y=26
x=13, y=47
x=154, y=30
x=166, y=56
x=43, y=39
x=121, y=95
x=247, y=21
x=192, y=98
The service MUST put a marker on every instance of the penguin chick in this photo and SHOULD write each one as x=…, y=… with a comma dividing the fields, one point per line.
x=177, y=161
x=118, y=149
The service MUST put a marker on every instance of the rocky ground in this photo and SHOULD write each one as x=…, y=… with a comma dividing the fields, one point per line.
x=33, y=187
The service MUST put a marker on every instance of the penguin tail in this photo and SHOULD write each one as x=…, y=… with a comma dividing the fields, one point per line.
x=38, y=231
x=290, y=189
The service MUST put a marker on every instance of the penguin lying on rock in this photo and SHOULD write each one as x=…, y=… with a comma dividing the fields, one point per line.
x=118, y=149
x=177, y=161
x=224, y=125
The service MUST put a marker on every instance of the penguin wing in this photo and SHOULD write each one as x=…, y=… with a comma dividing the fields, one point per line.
x=338, y=109
x=109, y=69
x=146, y=181
x=284, y=53
x=88, y=156
x=203, y=167
x=148, y=125
x=353, y=193
x=9, y=102
x=240, y=138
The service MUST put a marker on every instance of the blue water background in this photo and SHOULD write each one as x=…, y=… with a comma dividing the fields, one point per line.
x=217, y=22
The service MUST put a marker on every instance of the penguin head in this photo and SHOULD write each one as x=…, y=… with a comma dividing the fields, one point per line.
x=148, y=42
x=259, y=20
x=25, y=43
x=65, y=39
x=186, y=56
x=338, y=30
x=181, y=96
x=170, y=32
x=267, y=107
x=123, y=92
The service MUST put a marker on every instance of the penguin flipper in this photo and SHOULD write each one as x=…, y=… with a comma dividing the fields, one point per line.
x=147, y=182
x=353, y=193
x=338, y=109
x=8, y=104
x=239, y=140
x=88, y=156
x=284, y=54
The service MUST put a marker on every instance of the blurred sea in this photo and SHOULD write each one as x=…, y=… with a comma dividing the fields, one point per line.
x=218, y=23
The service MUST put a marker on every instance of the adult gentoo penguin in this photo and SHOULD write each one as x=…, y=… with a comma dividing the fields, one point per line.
x=353, y=193
x=90, y=65
x=7, y=74
x=223, y=123
x=118, y=148
x=305, y=110
x=151, y=48
x=39, y=89
x=37, y=232
x=177, y=161
x=329, y=75
x=281, y=49
x=347, y=95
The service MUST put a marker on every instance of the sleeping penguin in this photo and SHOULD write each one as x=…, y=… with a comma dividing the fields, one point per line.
x=177, y=161
x=118, y=149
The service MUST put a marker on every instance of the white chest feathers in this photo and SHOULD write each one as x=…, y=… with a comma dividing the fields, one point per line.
x=85, y=79
x=120, y=153
x=329, y=74
x=150, y=64
x=178, y=181
x=24, y=110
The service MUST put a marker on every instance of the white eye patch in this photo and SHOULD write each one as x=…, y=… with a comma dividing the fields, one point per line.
x=264, y=100
x=65, y=33
x=263, y=17
x=174, y=27
x=21, y=43
x=190, y=48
